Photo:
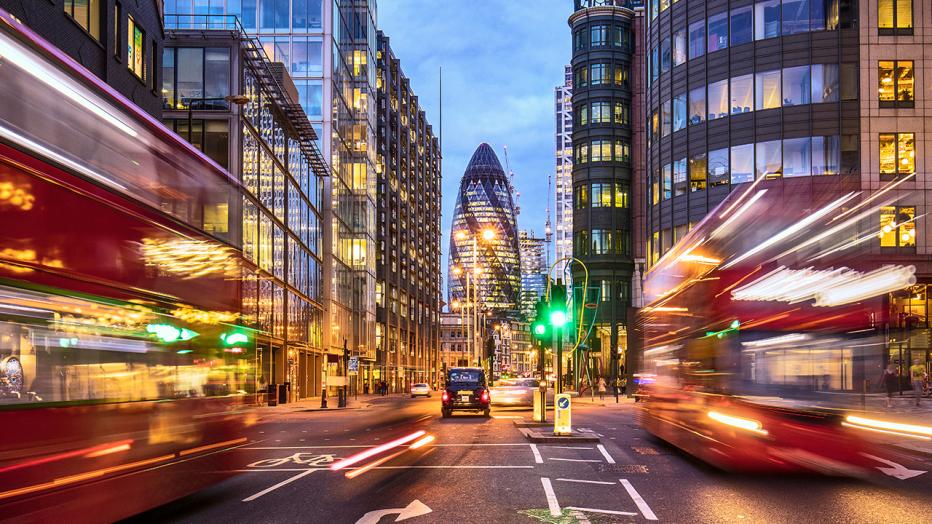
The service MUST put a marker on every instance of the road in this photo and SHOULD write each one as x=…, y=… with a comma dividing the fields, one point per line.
x=482, y=470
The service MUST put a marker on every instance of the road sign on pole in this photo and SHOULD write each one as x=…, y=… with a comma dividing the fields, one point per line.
x=354, y=365
x=562, y=425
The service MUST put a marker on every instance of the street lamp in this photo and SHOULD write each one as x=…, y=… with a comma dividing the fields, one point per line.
x=488, y=234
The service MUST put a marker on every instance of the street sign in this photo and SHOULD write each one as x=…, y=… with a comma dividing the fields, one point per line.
x=354, y=364
x=561, y=415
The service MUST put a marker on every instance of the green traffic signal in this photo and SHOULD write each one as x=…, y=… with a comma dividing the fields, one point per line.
x=558, y=318
x=540, y=329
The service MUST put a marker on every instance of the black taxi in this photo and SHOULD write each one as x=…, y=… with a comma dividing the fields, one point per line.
x=465, y=390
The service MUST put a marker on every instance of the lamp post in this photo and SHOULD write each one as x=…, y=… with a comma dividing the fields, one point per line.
x=487, y=235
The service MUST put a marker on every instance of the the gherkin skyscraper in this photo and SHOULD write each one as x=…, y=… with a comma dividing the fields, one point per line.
x=485, y=231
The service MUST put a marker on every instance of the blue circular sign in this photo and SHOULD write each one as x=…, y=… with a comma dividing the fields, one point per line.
x=563, y=403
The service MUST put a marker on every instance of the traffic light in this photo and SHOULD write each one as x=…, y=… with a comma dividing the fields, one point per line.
x=540, y=326
x=558, y=314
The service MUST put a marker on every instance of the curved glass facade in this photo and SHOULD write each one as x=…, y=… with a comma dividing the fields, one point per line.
x=485, y=204
x=743, y=91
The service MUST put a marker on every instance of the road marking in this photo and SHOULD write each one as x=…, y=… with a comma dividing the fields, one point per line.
x=567, y=447
x=506, y=416
x=280, y=484
x=638, y=500
x=414, y=509
x=382, y=467
x=537, y=458
x=896, y=470
x=606, y=511
x=447, y=445
x=587, y=481
x=608, y=458
x=552, y=503
x=574, y=460
x=580, y=517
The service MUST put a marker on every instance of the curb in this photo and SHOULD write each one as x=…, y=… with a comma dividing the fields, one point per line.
x=549, y=438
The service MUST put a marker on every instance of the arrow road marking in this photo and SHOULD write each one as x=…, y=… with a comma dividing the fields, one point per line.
x=415, y=509
x=896, y=470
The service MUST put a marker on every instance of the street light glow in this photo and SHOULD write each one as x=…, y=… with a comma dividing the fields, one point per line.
x=558, y=318
x=460, y=235
x=488, y=234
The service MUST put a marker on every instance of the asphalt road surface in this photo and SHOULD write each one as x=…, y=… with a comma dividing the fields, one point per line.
x=480, y=470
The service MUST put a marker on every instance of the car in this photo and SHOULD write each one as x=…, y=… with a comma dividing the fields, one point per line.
x=420, y=390
x=515, y=392
x=465, y=389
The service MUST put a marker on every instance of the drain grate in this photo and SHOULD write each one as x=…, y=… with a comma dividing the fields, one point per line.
x=645, y=451
x=623, y=468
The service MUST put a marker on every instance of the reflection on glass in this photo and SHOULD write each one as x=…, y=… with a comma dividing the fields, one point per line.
x=696, y=105
x=665, y=58
x=826, y=155
x=718, y=167
x=666, y=118
x=742, y=94
x=696, y=39
x=796, y=16
x=718, y=99
x=667, y=182
x=767, y=90
x=718, y=32
x=679, y=47
x=679, y=112
x=698, y=172
x=796, y=157
x=824, y=83
x=742, y=25
x=742, y=163
x=766, y=19
x=679, y=177
x=769, y=161
x=796, y=87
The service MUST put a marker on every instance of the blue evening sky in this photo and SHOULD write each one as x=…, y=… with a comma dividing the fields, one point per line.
x=501, y=60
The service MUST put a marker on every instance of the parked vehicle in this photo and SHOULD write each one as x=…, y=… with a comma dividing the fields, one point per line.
x=420, y=390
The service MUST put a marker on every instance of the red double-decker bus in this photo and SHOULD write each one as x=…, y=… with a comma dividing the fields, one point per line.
x=124, y=369
x=764, y=334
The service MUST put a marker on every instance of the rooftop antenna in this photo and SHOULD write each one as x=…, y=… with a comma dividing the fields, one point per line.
x=548, y=230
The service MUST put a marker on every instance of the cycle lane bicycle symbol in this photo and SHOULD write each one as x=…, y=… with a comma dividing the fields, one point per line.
x=301, y=459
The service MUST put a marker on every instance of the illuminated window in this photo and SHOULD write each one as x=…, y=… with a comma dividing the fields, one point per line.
x=897, y=154
x=87, y=14
x=601, y=151
x=665, y=58
x=583, y=115
x=599, y=74
x=621, y=75
x=679, y=112
x=679, y=177
x=896, y=83
x=622, y=113
x=666, y=118
x=895, y=17
x=767, y=90
x=601, y=242
x=679, y=47
x=698, y=173
x=601, y=113
x=796, y=87
x=655, y=188
x=667, y=182
x=897, y=226
x=582, y=77
x=697, y=105
x=621, y=195
x=766, y=19
x=742, y=163
x=718, y=167
x=601, y=195
x=582, y=153
x=718, y=100
x=742, y=94
x=622, y=151
x=769, y=159
x=582, y=197
x=135, y=39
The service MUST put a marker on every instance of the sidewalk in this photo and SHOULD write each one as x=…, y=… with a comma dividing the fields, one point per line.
x=313, y=403
x=904, y=411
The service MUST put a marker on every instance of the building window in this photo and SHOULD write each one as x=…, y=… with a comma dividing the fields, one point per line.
x=742, y=163
x=697, y=105
x=601, y=242
x=895, y=17
x=767, y=90
x=598, y=35
x=769, y=161
x=601, y=151
x=679, y=112
x=665, y=56
x=742, y=25
x=718, y=100
x=582, y=243
x=718, y=167
x=579, y=39
x=87, y=14
x=742, y=94
x=679, y=177
x=897, y=226
x=655, y=188
x=135, y=39
x=696, y=39
x=667, y=182
x=797, y=157
x=582, y=154
x=582, y=77
x=698, y=173
x=679, y=47
x=196, y=77
x=621, y=195
x=620, y=37
x=896, y=83
x=666, y=118
x=622, y=113
x=582, y=116
x=897, y=154
x=599, y=74
x=766, y=19
x=824, y=79
x=601, y=113
x=582, y=197
x=601, y=195
x=622, y=151
x=826, y=155
x=718, y=32
x=796, y=16
x=621, y=75
x=117, y=16
x=796, y=88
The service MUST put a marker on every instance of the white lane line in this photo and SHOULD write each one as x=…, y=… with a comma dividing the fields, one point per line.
x=552, y=503
x=608, y=458
x=384, y=467
x=574, y=460
x=537, y=458
x=506, y=416
x=587, y=481
x=335, y=446
x=606, y=511
x=636, y=497
x=567, y=447
x=580, y=517
x=280, y=484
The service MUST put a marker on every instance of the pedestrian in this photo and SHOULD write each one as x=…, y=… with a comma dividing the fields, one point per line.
x=890, y=381
x=917, y=373
x=601, y=388
x=365, y=388
x=617, y=387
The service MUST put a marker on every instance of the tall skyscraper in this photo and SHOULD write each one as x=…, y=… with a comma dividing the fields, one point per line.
x=563, y=240
x=533, y=271
x=327, y=48
x=407, y=332
x=603, y=171
x=484, y=239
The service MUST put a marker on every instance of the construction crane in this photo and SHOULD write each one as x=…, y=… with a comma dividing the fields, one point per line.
x=511, y=182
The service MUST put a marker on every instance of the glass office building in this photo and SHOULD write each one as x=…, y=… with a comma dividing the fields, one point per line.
x=327, y=47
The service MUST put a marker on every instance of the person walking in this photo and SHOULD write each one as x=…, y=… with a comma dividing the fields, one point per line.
x=617, y=387
x=890, y=381
x=917, y=373
x=601, y=386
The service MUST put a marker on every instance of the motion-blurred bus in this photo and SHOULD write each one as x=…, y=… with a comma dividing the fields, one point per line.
x=765, y=332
